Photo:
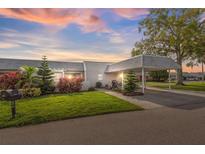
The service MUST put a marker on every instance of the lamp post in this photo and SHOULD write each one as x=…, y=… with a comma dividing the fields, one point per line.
x=11, y=95
x=143, y=74
x=169, y=80
x=143, y=80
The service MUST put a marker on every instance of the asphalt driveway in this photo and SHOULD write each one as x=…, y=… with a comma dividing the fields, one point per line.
x=179, y=101
x=170, y=124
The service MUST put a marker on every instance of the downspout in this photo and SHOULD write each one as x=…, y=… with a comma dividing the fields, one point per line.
x=63, y=73
x=202, y=66
x=85, y=75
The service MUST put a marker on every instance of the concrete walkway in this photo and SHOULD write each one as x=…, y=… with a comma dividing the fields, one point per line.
x=134, y=100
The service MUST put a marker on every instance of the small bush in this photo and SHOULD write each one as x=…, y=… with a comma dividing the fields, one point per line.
x=98, y=84
x=115, y=85
x=66, y=85
x=30, y=92
x=107, y=86
x=117, y=90
x=47, y=88
x=162, y=75
x=9, y=80
x=91, y=89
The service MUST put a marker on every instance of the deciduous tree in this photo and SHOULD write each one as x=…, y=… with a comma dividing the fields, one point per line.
x=172, y=32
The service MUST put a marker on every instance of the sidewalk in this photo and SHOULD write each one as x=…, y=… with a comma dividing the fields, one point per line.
x=142, y=103
x=192, y=93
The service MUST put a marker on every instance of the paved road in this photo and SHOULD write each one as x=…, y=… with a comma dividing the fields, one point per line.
x=169, y=124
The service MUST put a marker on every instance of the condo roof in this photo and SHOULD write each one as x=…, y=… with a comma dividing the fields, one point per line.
x=148, y=62
x=14, y=64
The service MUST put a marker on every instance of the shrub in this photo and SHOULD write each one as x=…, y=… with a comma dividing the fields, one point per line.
x=66, y=85
x=117, y=90
x=28, y=77
x=30, y=92
x=9, y=80
x=162, y=75
x=98, y=84
x=107, y=86
x=115, y=85
x=91, y=89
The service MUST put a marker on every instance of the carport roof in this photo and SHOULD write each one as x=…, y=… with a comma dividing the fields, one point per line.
x=148, y=62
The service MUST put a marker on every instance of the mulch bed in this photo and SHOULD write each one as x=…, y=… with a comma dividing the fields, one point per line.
x=133, y=94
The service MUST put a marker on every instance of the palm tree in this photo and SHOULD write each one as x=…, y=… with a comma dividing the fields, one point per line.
x=28, y=75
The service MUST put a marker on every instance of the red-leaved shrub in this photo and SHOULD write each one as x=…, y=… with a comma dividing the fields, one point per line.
x=9, y=80
x=66, y=85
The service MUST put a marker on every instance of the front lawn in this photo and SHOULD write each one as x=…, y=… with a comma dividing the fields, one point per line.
x=192, y=85
x=62, y=106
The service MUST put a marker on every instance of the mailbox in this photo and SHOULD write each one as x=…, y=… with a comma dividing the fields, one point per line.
x=12, y=96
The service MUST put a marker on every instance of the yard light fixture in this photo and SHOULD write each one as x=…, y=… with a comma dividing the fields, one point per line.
x=70, y=76
x=121, y=75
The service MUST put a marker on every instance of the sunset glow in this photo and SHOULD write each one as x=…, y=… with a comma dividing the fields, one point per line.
x=71, y=34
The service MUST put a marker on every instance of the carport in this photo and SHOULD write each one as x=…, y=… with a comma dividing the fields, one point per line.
x=144, y=63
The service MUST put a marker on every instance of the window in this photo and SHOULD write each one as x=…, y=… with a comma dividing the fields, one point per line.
x=57, y=76
x=100, y=77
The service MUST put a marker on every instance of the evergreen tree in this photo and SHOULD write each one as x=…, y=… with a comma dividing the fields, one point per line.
x=45, y=76
x=130, y=83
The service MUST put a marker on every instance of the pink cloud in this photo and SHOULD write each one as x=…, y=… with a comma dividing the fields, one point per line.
x=85, y=18
x=130, y=13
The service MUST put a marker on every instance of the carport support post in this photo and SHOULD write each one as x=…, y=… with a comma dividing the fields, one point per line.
x=143, y=80
x=169, y=80
x=122, y=80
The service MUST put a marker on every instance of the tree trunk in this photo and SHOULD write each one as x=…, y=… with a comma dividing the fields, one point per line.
x=202, y=66
x=179, y=72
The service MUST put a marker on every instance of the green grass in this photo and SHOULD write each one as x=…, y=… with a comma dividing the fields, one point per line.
x=62, y=106
x=192, y=86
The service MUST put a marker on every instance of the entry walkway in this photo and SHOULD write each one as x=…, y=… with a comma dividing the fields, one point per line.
x=134, y=100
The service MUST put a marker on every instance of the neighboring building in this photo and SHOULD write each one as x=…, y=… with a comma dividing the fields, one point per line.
x=188, y=76
x=92, y=72
x=192, y=76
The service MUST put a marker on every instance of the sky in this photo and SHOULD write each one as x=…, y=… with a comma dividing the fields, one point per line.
x=71, y=34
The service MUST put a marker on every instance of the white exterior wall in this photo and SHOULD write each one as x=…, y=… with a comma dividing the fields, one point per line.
x=112, y=76
x=93, y=70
